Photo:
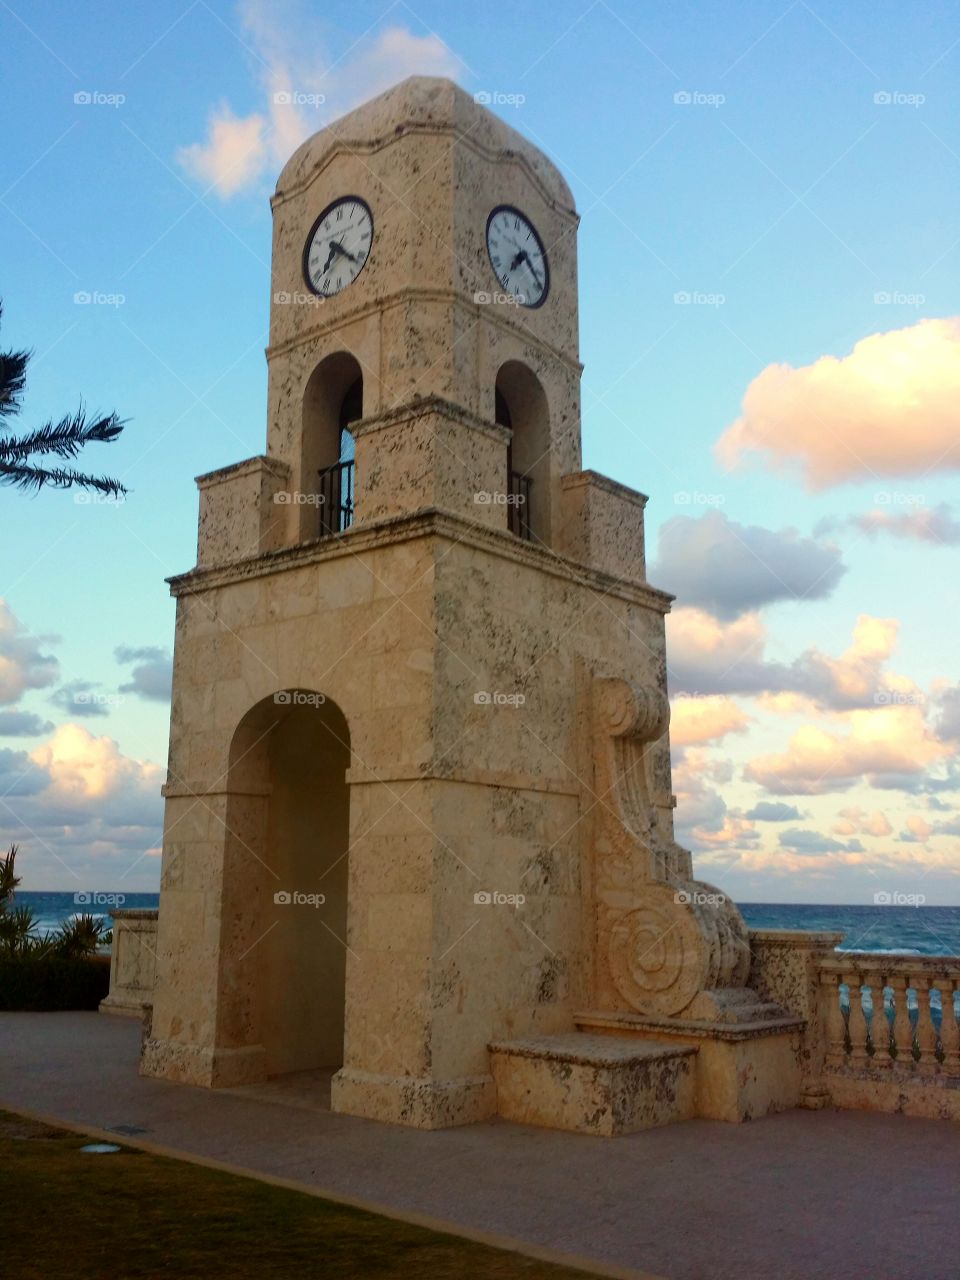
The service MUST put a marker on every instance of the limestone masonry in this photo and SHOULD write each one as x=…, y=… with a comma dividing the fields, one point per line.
x=419, y=819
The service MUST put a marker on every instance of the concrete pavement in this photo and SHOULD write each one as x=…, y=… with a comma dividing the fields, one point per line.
x=800, y=1196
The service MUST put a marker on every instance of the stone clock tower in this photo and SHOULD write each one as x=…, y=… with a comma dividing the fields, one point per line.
x=418, y=812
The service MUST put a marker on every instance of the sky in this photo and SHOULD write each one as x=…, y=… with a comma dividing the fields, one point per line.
x=770, y=328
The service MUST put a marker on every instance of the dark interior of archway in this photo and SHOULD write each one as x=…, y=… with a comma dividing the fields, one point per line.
x=351, y=407
x=502, y=410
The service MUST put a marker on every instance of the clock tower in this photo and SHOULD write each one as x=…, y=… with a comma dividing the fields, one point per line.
x=419, y=798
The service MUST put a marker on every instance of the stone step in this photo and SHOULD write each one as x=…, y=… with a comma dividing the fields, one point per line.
x=598, y=1084
x=743, y=1070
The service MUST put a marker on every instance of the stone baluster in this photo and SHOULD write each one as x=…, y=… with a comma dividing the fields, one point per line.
x=832, y=1016
x=879, y=1026
x=950, y=1028
x=926, y=1029
x=902, y=1028
x=857, y=1022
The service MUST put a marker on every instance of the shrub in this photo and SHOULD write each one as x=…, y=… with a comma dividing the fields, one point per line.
x=53, y=982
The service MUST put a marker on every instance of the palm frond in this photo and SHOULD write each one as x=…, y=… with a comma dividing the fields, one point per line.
x=17, y=931
x=78, y=937
x=13, y=379
x=29, y=478
x=8, y=877
x=65, y=438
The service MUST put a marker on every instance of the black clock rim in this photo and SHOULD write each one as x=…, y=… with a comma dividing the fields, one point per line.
x=512, y=208
x=313, y=231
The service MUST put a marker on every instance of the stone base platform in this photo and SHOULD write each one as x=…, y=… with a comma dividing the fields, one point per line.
x=909, y=1090
x=423, y=1103
x=742, y=1070
x=124, y=1006
x=595, y=1084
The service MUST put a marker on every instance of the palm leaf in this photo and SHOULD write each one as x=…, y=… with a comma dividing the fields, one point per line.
x=25, y=476
x=64, y=438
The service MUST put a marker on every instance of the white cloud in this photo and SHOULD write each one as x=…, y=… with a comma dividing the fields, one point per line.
x=694, y=721
x=887, y=740
x=889, y=408
x=730, y=568
x=22, y=724
x=922, y=524
x=854, y=821
x=773, y=811
x=303, y=90
x=708, y=656
x=234, y=154
x=152, y=672
x=22, y=664
x=83, y=812
x=83, y=768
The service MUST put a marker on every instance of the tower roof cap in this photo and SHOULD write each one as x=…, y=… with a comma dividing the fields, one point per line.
x=429, y=104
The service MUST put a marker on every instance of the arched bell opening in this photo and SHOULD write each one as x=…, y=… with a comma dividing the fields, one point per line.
x=333, y=400
x=521, y=405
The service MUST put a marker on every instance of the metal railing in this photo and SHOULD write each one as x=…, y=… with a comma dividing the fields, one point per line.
x=336, y=498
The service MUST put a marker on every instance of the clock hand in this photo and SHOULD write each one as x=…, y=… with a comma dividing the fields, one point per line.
x=337, y=247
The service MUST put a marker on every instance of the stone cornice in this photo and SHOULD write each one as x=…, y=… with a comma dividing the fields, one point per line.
x=260, y=462
x=446, y=297
x=430, y=522
x=576, y=479
x=361, y=775
x=428, y=405
x=369, y=147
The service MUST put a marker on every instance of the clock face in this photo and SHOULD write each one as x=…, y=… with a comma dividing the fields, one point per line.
x=338, y=246
x=517, y=256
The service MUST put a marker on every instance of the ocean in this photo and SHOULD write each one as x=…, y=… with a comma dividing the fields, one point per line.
x=929, y=931
x=51, y=910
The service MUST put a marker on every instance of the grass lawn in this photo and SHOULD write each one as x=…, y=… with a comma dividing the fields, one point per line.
x=132, y=1214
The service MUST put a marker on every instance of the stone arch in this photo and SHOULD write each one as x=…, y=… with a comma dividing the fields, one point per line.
x=332, y=401
x=521, y=405
x=288, y=828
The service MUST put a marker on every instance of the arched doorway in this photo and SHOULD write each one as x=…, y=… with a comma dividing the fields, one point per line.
x=288, y=789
